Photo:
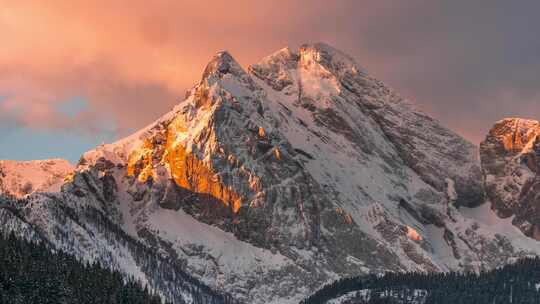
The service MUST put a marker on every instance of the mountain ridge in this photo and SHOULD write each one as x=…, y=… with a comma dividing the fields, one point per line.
x=19, y=178
x=270, y=182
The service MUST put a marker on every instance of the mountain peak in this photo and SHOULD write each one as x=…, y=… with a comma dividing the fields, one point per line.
x=320, y=60
x=320, y=53
x=222, y=63
x=329, y=57
x=510, y=157
x=516, y=121
x=294, y=172
x=326, y=49
x=285, y=56
x=513, y=133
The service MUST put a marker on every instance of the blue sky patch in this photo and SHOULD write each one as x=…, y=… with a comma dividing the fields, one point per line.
x=21, y=143
x=72, y=107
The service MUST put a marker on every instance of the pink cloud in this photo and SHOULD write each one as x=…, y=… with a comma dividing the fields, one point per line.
x=132, y=60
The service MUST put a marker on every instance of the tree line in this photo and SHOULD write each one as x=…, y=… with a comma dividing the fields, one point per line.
x=31, y=273
x=163, y=273
x=517, y=283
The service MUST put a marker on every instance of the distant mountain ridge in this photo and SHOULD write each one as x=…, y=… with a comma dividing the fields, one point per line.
x=266, y=184
x=20, y=178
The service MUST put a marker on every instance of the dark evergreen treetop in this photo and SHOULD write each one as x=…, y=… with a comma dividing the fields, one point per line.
x=31, y=273
x=162, y=273
x=517, y=283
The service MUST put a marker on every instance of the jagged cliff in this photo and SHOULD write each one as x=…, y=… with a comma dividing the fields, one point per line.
x=269, y=182
x=511, y=162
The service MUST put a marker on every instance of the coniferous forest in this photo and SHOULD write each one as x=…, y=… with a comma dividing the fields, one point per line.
x=517, y=283
x=31, y=273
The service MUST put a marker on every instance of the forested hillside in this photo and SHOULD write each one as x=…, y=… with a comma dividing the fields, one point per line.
x=31, y=273
x=518, y=283
x=87, y=234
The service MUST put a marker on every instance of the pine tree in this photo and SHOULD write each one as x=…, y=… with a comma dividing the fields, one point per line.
x=31, y=273
x=514, y=283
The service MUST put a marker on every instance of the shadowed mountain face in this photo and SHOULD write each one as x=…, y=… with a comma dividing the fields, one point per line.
x=269, y=182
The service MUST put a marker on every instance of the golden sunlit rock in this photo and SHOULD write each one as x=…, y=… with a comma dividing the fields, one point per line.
x=262, y=132
x=189, y=172
x=412, y=234
x=69, y=178
x=140, y=162
x=515, y=141
x=510, y=162
x=277, y=153
x=515, y=134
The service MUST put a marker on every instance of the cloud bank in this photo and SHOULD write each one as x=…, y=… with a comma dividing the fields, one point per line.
x=467, y=63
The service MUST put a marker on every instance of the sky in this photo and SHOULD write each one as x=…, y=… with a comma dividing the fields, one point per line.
x=75, y=74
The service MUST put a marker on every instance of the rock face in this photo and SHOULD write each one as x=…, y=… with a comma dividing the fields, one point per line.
x=340, y=94
x=270, y=182
x=511, y=162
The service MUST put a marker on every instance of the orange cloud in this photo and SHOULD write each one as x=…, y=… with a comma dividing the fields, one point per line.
x=131, y=59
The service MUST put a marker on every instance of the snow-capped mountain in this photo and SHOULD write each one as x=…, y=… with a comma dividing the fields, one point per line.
x=268, y=183
x=22, y=178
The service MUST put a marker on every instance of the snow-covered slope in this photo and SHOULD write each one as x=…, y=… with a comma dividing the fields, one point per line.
x=20, y=178
x=76, y=225
x=270, y=182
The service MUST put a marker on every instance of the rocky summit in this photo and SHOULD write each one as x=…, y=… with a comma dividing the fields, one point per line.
x=511, y=162
x=266, y=183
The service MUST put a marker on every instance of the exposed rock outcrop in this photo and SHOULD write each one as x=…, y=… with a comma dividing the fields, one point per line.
x=510, y=157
